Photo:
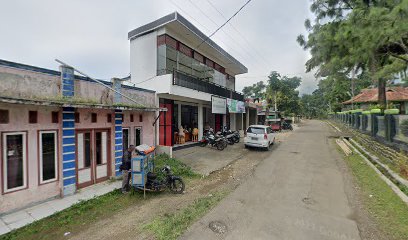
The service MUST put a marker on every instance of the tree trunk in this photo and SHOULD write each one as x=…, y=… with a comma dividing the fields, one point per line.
x=382, y=97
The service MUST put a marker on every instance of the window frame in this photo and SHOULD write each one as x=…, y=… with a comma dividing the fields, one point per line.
x=141, y=134
x=4, y=162
x=40, y=158
x=128, y=137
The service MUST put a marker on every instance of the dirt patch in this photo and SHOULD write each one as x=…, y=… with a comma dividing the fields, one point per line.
x=127, y=223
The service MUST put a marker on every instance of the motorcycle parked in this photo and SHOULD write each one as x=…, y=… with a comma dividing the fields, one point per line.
x=213, y=140
x=228, y=135
x=232, y=136
x=174, y=183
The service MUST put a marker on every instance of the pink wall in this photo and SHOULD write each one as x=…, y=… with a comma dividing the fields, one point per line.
x=147, y=128
x=18, y=116
x=28, y=84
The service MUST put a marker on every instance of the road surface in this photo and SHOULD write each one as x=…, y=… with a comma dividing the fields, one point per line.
x=298, y=192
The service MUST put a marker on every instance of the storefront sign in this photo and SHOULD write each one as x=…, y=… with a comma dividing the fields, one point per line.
x=235, y=106
x=218, y=105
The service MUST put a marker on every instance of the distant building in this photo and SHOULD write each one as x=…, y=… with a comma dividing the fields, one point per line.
x=367, y=97
x=194, y=77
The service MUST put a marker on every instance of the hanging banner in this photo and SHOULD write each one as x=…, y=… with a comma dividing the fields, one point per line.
x=218, y=105
x=235, y=106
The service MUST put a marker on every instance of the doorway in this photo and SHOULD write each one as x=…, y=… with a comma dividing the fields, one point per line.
x=93, y=158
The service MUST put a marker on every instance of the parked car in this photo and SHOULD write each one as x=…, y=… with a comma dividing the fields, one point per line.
x=259, y=136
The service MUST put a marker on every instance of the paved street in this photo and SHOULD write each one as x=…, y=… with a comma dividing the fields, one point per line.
x=298, y=192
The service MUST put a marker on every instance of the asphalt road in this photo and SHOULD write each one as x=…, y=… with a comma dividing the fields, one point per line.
x=298, y=192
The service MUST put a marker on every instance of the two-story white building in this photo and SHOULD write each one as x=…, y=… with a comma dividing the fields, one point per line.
x=194, y=77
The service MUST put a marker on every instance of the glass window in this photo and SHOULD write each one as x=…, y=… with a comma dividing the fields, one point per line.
x=87, y=141
x=256, y=130
x=161, y=60
x=14, y=161
x=138, y=136
x=125, y=138
x=48, y=156
x=98, y=147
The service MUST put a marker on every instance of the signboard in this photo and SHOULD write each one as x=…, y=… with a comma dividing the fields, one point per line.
x=235, y=106
x=218, y=105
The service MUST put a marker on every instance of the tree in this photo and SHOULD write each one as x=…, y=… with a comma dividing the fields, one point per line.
x=257, y=90
x=355, y=36
x=281, y=92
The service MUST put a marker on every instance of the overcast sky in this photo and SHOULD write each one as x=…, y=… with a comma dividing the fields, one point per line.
x=92, y=34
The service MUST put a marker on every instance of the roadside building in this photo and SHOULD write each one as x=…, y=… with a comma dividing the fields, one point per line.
x=397, y=96
x=194, y=77
x=61, y=132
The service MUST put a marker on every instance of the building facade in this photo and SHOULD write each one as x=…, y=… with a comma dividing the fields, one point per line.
x=191, y=75
x=397, y=97
x=61, y=132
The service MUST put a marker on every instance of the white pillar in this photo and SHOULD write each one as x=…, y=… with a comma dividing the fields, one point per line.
x=247, y=118
x=242, y=121
x=200, y=121
x=157, y=128
x=233, y=121
x=178, y=116
x=224, y=120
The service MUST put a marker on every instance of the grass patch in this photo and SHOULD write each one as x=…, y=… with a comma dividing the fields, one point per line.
x=177, y=167
x=172, y=226
x=387, y=209
x=75, y=217
x=80, y=215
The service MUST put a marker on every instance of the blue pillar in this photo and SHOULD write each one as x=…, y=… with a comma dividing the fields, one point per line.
x=118, y=142
x=68, y=133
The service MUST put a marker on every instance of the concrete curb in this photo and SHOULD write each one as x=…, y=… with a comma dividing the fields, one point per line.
x=394, y=187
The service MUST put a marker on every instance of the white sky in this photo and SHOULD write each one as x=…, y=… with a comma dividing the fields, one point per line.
x=92, y=34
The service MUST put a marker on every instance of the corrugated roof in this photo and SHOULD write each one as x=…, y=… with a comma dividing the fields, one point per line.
x=393, y=94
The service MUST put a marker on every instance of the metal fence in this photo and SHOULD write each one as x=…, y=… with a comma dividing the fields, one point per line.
x=188, y=81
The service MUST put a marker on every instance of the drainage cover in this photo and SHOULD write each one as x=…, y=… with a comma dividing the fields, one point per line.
x=218, y=227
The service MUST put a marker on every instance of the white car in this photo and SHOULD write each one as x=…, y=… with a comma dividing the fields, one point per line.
x=259, y=136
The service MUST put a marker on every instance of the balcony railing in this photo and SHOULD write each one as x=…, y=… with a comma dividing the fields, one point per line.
x=188, y=81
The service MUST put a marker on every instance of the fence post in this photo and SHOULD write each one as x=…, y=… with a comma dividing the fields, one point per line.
x=390, y=125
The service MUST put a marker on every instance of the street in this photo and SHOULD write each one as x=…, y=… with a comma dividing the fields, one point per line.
x=297, y=192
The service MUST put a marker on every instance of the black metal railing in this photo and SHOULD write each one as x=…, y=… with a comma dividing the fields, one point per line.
x=188, y=81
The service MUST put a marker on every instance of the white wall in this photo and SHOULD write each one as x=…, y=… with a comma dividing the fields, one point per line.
x=190, y=93
x=160, y=84
x=143, y=57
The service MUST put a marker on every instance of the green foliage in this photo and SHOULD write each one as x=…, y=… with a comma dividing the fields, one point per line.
x=177, y=167
x=172, y=226
x=257, y=90
x=75, y=217
x=404, y=127
x=385, y=207
x=283, y=89
x=356, y=37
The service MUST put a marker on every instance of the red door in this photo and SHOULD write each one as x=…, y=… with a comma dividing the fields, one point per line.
x=165, y=127
x=218, y=122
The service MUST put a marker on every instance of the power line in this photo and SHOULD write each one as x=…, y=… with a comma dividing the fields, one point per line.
x=187, y=14
x=248, y=53
x=212, y=34
x=236, y=30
